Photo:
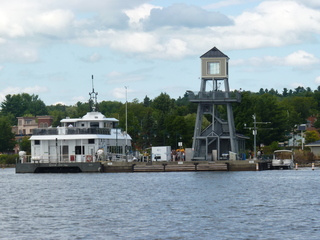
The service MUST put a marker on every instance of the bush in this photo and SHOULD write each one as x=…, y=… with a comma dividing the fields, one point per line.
x=8, y=159
x=304, y=157
x=271, y=148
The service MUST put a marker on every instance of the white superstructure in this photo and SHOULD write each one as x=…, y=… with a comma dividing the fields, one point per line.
x=90, y=138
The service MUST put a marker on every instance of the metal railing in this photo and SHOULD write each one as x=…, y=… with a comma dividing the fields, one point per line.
x=25, y=159
x=70, y=130
x=215, y=96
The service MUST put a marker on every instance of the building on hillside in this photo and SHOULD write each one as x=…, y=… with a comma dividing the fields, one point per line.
x=314, y=147
x=295, y=141
x=26, y=125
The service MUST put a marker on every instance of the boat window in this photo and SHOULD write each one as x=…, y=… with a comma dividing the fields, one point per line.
x=36, y=142
x=91, y=141
x=78, y=150
x=94, y=124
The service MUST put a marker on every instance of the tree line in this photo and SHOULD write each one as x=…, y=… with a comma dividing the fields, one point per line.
x=167, y=121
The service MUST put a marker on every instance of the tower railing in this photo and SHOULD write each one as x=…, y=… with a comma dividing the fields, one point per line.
x=214, y=96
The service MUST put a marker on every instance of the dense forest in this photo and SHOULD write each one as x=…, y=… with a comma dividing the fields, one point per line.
x=167, y=121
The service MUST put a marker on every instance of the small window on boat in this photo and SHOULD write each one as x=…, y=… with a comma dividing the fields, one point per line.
x=78, y=150
x=91, y=141
x=94, y=124
x=36, y=142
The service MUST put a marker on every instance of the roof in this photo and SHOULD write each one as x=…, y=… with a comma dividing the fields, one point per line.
x=277, y=151
x=316, y=143
x=79, y=137
x=214, y=53
x=91, y=117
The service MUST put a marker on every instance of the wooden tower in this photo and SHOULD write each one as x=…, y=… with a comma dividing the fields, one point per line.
x=219, y=139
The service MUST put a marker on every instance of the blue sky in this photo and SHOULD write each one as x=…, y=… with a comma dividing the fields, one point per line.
x=51, y=48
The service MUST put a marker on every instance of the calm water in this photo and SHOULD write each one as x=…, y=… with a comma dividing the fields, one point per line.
x=189, y=205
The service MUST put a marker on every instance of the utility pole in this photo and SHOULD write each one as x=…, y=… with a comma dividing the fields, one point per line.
x=255, y=132
x=126, y=148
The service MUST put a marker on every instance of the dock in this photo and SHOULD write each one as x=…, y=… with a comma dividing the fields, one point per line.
x=186, y=166
x=117, y=166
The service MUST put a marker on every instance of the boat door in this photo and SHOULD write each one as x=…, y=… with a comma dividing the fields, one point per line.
x=37, y=151
x=53, y=154
x=65, y=153
x=92, y=153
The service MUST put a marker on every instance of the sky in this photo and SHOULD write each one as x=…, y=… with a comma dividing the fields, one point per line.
x=142, y=48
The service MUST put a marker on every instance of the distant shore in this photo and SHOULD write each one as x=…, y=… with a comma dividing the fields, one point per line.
x=7, y=165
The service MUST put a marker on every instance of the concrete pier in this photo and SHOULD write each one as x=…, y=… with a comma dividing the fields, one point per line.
x=186, y=166
x=109, y=166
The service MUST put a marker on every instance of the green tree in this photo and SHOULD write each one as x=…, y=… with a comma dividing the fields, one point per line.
x=268, y=109
x=7, y=137
x=163, y=103
x=25, y=145
x=312, y=136
x=300, y=108
x=108, y=108
x=146, y=101
x=22, y=104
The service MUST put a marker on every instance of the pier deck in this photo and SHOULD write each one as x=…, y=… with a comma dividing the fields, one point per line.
x=117, y=166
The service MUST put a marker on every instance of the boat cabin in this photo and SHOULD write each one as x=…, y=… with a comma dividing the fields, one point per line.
x=90, y=138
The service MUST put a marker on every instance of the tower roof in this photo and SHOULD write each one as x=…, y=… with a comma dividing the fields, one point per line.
x=214, y=52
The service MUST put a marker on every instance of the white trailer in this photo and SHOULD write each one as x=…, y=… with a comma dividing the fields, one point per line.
x=161, y=153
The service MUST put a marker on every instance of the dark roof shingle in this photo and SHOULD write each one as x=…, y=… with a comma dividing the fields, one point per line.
x=214, y=52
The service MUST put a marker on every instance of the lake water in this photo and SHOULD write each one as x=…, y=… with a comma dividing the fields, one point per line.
x=282, y=204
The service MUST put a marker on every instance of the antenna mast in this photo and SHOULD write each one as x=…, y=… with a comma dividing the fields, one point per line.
x=93, y=98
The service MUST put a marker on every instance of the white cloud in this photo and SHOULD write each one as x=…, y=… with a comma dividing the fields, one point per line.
x=310, y=3
x=95, y=57
x=18, y=90
x=120, y=93
x=137, y=42
x=139, y=13
x=271, y=24
x=123, y=78
x=295, y=85
x=183, y=15
x=297, y=59
x=28, y=19
x=227, y=3
x=17, y=52
x=301, y=58
x=117, y=24
x=79, y=99
x=56, y=23
x=317, y=80
x=274, y=23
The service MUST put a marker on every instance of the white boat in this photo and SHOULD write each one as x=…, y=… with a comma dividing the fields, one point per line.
x=283, y=159
x=91, y=138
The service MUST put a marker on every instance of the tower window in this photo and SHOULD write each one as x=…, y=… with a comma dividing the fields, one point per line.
x=213, y=68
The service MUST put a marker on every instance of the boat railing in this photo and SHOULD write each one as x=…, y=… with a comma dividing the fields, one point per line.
x=70, y=130
x=73, y=158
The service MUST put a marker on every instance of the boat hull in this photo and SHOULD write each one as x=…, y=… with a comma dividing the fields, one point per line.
x=59, y=167
x=282, y=164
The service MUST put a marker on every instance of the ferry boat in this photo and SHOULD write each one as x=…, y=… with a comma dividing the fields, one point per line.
x=282, y=159
x=77, y=145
